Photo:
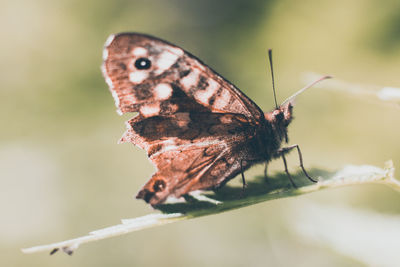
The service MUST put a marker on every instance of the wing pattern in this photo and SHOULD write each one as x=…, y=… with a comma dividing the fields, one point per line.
x=195, y=126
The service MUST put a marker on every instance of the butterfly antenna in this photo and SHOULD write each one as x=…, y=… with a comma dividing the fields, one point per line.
x=272, y=75
x=292, y=97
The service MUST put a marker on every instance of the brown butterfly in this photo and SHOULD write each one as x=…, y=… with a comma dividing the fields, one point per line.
x=198, y=129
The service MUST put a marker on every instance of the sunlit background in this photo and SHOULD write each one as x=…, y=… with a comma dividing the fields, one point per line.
x=62, y=173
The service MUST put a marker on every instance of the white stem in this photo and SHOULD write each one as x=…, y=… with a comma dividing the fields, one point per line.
x=350, y=175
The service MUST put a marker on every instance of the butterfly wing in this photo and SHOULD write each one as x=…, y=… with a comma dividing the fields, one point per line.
x=172, y=81
x=191, y=151
x=193, y=124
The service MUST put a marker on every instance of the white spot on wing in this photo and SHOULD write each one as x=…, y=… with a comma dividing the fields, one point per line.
x=222, y=100
x=203, y=96
x=191, y=79
x=165, y=60
x=177, y=51
x=137, y=76
x=162, y=91
x=149, y=110
x=139, y=52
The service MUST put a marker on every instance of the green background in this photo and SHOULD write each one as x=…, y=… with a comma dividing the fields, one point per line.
x=62, y=173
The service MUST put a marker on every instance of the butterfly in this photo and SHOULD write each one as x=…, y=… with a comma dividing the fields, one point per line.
x=197, y=128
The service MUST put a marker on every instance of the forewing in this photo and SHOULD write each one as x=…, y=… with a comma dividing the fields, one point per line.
x=174, y=82
x=190, y=151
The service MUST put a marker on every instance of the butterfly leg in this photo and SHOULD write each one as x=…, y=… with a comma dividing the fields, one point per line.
x=243, y=179
x=287, y=171
x=285, y=150
x=265, y=172
x=301, y=164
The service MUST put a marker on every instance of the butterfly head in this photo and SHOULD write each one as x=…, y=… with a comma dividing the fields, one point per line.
x=281, y=116
x=280, y=119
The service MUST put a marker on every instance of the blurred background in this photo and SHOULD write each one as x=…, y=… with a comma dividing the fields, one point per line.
x=62, y=173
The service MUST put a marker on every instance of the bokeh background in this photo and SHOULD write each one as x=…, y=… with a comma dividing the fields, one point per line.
x=62, y=173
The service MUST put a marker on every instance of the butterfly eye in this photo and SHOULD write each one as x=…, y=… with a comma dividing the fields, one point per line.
x=143, y=63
